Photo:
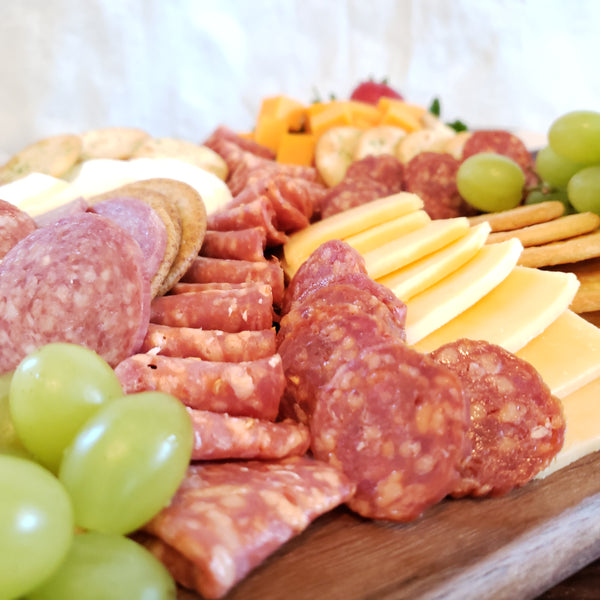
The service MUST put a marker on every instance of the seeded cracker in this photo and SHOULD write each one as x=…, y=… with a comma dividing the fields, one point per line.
x=111, y=142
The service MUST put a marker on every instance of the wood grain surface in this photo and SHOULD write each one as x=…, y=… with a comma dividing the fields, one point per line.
x=514, y=547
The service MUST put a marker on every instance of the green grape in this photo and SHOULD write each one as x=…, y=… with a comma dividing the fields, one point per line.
x=584, y=190
x=53, y=392
x=560, y=195
x=36, y=525
x=555, y=169
x=490, y=182
x=100, y=566
x=576, y=136
x=9, y=440
x=127, y=461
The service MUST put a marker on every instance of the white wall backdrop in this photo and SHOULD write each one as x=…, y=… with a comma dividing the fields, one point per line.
x=180, y=67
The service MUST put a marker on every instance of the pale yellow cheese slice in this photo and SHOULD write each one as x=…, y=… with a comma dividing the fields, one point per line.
x=437, y=305
x=415, y=245
x=513, y=313
x=420, y=275
x=372, y=238
x=566, y=354
x=33, y=193
x=582, y=434
x=337, y=227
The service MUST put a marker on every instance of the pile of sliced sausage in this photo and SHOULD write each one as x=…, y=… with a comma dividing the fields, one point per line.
x=302, y=396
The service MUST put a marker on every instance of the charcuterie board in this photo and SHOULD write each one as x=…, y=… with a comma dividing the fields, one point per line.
x=516, y=546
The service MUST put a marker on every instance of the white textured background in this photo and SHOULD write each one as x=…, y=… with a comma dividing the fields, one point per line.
x=180, y=67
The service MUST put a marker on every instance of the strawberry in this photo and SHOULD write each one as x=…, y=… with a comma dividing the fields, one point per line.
x=370, y=92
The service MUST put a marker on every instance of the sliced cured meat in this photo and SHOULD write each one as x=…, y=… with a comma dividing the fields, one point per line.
x=15, y=224
x=244, y=309
x=209, y=344
x=220, y=436
x=349, y=193
x=243, y=389
x=516, y=426
x=395, y=422
x=432, y=177
x=243, y=244
x=209, y=270
x=313, y=348
x=226, y=518
x=384, y=168
x=224, y=133
x=184, y=288
x=143, y=223
x=505, y=143
x=79, y=280
x=331, y=261
x=73, y=207
x=258, y=213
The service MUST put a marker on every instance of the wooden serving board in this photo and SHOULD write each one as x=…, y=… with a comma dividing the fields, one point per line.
x=513, y=547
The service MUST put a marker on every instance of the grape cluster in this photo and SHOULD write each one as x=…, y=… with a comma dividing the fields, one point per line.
x=77, y=455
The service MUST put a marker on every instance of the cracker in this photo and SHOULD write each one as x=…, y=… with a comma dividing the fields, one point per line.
x=587, y=298
x=168, y=214
x=111, y=142
x=192, y=213
x=522, y=216
x=558, y=253
x=555, y=230
x=199, y=156
x=51, y=156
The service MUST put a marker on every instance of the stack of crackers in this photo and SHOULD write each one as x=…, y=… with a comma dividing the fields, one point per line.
x=554, y=240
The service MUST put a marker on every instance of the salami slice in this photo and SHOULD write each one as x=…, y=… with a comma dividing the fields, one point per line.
x=226, y=518
x=15, y=224
x=207, y=344
x=395, y=422
x=207, y=270
x=516, y=426
x=244, y=309
x=73, y=207
x=432, y=177
x=184, y=288
x=329, y=262
x=225, y=133
x=243, y=244
x=349, y=193
x=143, y=223
x=505, y=143
x=243, y=389
x=220, y=436
x=383, y=168
x=258, y=213
x=79, y=280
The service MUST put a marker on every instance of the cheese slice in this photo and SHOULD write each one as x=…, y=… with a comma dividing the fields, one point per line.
x=513, y=313
x=343, y=225
x=415, y=245
x=582, y=435
x=566, y=354
x=420, y=275
x=32, y=193
x=437, y=305
x=372, y=238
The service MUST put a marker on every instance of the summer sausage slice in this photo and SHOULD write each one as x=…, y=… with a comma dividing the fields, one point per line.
x=516, y=425
x=395, y=422
x=79, y=280
x=244, y=389
x=220, y=436
x=15, y=224
x=226, y=518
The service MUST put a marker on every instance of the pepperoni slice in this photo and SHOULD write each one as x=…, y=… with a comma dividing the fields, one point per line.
x=243, y=244
x=517, y=426
x=15, y=224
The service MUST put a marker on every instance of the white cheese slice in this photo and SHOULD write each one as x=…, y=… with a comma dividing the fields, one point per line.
x=439, y=304
x=566, y=354
x=32, y=192
x=420, y=275
x=343, y=225
x=582, y=435
x=411, y=247
x=511, y=314
x=372, y=238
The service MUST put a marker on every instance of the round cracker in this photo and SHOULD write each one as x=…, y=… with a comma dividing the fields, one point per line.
x=587, y=298
x=522, y=216
x=168, y=214
x=192, y=213
x=111, y=142
x=578, y=248
x=555, y=230
x=199, y=156
x=51, y=156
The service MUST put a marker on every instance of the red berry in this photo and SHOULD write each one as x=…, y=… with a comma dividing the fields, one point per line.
x=371, y=91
